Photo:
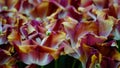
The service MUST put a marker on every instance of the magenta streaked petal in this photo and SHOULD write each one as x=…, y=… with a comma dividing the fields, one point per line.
x=44, y=9
x=14, y=36
x=35, y=54
x=108, y=63
x=5, y=55
x=39, y=31
x=72, y=12
x=54, y=40
x=64, y=2
x=58, y=26
x=75, y=3
x=41, y=59
x=89, y=56
x=84, y=28
x=86, y=3
x=69, y=26
x=91, y=39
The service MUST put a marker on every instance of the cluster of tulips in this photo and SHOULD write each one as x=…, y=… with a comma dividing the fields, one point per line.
x=39, y=31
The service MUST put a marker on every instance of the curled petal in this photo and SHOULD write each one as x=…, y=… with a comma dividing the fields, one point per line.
x=69, y=26
x=11, y=3
x=91, y=39
x=57, y=26
x=54, y=39
x=86, y=3
x=72, y=12
x=44, y=9
x=84, y=28
x=114, y=10
x=105, y=27
x=14, y=37
x=107, y=47
x=89, y=56
x=76, y=3
x=101, y=4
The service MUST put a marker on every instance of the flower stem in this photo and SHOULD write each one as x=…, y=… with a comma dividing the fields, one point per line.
x=73, y=65
x=80, y=65
x=42, y=66
x=56, y=63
